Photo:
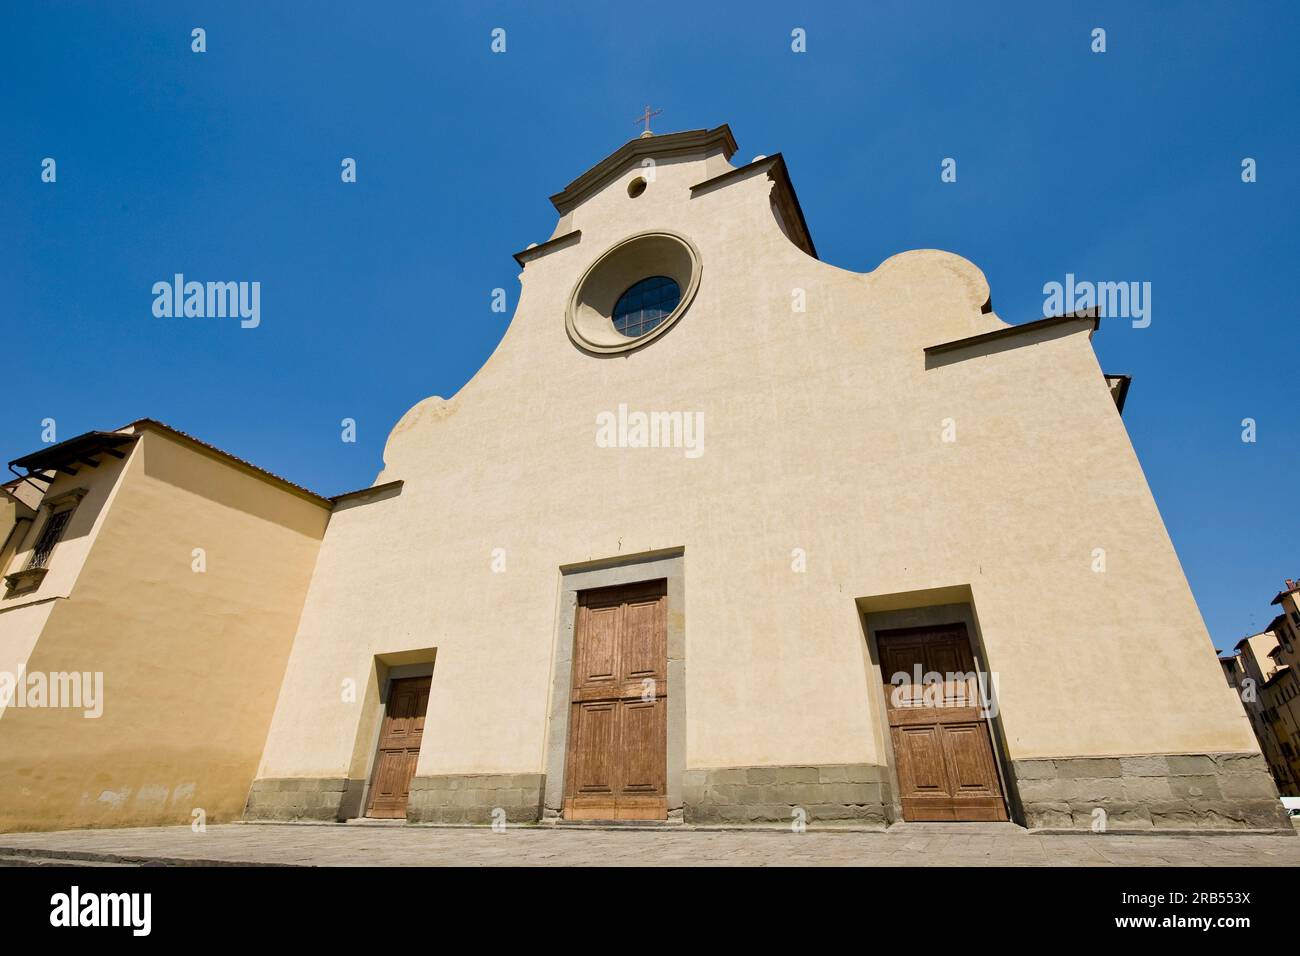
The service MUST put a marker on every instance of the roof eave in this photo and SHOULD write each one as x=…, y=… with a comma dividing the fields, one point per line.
x=223, y=455
x=668, y=144
x=1282, y=594
x=75, y=450
x=1086, y=318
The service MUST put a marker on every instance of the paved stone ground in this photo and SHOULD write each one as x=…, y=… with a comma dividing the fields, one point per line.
x=367, y=845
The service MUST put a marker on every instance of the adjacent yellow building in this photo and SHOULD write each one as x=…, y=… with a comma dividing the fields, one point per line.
x=154, y=591
x=1250, y=670
x=1265, y=670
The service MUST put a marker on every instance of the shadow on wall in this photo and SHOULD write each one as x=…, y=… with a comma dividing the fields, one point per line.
x=190, y=469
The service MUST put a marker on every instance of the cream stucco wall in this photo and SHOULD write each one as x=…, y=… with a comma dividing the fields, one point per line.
x=823, y=432
x=191, y=662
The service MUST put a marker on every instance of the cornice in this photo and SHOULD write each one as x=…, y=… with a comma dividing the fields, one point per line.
x=669, y=144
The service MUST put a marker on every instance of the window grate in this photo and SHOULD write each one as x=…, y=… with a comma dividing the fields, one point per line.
x=50, y=536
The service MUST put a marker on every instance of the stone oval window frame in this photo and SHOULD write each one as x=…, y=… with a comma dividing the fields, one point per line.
x=589, y=316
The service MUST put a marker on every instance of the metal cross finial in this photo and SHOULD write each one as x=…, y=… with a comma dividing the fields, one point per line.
x=645, y=117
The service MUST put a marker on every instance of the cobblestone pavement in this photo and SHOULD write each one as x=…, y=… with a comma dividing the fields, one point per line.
x=367, y=845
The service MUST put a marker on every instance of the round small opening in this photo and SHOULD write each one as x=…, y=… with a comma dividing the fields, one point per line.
x=645, y=305
x=636, y=187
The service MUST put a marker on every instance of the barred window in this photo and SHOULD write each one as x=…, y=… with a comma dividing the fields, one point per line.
x=55, y=525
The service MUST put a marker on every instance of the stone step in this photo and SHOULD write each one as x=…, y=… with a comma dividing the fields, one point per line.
x=616, y=824
x=974, y=828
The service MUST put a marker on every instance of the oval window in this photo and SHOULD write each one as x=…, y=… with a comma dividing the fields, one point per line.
x=645, y=305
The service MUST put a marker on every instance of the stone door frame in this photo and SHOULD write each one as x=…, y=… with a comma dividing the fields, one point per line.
x=936, y=615
x=667, y=565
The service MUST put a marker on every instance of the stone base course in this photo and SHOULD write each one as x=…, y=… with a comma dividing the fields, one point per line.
x=1219, y=791
x=1176, y=792
x=475, y=798
x=836, y=793
x=287, y=799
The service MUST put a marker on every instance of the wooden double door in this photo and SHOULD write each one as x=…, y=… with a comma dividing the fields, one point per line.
x=942, y=749
x=399, y=747
x=617, y=767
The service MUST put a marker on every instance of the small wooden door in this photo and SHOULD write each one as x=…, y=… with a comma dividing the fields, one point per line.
x=399, y=747
x=617, y=765
x=942, y=750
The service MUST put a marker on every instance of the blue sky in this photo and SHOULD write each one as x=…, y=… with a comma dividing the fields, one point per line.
x=225, y=165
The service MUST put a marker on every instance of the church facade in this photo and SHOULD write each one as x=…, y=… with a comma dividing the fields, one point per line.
x=724, y=534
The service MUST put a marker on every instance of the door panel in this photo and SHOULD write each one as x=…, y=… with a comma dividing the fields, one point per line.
x=921, y=750
x=643, y=652
x=970, y=762
x=596, y=656
x=617, y=754
x=642, y=745
x=594, y=732
x=942, y=749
